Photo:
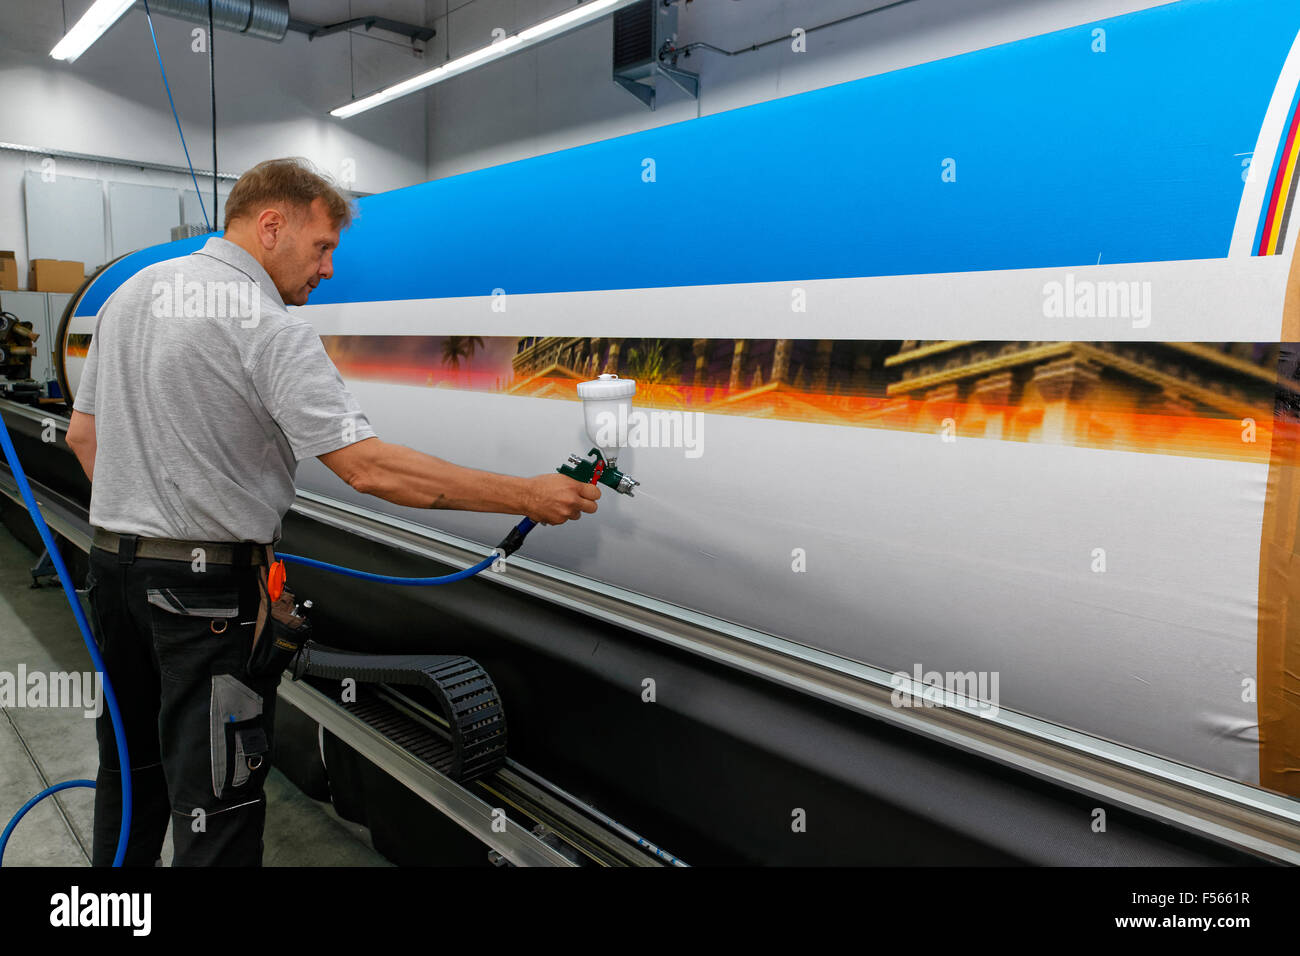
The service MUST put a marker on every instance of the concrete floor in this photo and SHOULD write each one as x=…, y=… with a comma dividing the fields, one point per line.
x=41, y=746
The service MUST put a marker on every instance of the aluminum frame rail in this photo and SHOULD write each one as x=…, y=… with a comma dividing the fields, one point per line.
x=589, y=832
x=515, y=844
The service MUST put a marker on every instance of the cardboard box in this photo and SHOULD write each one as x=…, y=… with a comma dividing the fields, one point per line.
x=8, y=271
x=56, y=275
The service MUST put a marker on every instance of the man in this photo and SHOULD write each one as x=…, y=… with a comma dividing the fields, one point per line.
x=200, y=394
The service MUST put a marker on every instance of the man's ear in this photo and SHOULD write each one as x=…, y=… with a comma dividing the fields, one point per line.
x=270, y=225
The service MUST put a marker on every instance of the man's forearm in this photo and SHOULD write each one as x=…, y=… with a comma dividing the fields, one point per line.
x=86, y=456
x=405, y=476
x=81, y=439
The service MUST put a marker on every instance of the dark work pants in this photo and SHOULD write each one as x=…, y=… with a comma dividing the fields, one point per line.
x=176, y=643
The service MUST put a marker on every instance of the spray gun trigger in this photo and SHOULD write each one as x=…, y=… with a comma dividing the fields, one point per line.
x=594, y=469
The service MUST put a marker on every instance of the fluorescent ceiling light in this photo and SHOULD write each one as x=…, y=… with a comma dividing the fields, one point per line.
x=101, y=15
x=570, y=20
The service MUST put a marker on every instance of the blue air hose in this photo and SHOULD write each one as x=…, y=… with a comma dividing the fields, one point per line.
x=161, y=69
x=12, y=457
x=387, y=579
x=508, y=546
x=115, y=715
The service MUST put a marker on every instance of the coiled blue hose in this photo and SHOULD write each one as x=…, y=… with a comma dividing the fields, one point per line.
x=119, y=732
x=12, y=457
x=13, y=821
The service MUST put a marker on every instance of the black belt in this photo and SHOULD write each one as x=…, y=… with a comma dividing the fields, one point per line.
x=128, y=547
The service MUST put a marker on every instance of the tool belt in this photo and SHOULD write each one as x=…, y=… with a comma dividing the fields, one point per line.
x=275, y=645
x=130, y=546
x=280, y=629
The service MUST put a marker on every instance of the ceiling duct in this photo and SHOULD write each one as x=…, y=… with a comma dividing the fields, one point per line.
x=268, y=19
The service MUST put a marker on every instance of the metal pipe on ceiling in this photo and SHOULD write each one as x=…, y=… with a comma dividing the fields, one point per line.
x=268, y=19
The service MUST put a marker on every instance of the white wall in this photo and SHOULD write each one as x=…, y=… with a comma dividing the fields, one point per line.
x=272, y=100
x=561, y=95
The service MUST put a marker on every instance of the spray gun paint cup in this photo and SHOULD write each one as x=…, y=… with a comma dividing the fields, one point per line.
x=606, y=404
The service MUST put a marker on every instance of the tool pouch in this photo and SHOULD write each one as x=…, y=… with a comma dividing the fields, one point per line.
x=280, y=633
x=238, y=733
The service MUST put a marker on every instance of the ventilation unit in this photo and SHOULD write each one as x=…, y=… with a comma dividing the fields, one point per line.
x=645, y=48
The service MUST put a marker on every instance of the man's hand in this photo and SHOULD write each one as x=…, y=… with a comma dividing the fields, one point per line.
x=556, y=498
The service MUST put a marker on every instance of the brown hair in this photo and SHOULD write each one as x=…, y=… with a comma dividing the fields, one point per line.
x=293, y=181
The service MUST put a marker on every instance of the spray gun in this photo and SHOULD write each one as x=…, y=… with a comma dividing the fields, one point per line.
x=605, y=404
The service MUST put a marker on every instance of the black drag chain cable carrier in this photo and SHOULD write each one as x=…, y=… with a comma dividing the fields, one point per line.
x=476, y=720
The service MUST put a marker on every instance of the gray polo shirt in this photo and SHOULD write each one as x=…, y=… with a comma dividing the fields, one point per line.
x=206, y=394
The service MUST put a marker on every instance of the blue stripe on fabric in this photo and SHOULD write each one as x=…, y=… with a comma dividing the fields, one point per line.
x=1063, y=157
